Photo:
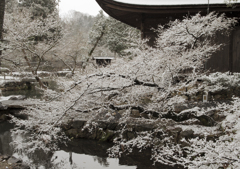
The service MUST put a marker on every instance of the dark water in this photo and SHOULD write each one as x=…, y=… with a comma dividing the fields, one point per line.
x=78, y=154
x=33, y=92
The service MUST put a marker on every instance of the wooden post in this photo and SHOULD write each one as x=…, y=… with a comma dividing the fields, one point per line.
x=143, y=26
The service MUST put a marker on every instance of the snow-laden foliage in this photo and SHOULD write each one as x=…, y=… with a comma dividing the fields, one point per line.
x=230, y=3
x=196, y=152
x=39, y=7
x=34, y=36
x=151, y=82
x=113, y=34
x=29, y=39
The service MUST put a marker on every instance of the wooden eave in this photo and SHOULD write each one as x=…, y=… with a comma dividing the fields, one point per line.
x=134, y=15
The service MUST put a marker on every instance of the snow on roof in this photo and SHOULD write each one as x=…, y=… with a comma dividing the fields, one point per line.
x=111, y=58
x=170, y=2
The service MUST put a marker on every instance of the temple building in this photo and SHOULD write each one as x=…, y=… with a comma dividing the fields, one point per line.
x=146, y=16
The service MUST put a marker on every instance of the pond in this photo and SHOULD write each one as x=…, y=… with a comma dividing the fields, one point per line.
x=34, y=91
x=77, y=154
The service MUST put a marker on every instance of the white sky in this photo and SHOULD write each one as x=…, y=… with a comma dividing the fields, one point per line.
x=91, y=6
x=85, y=6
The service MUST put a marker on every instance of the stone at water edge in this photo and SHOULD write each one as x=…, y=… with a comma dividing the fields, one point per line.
x=19, y=97
x=14, y=160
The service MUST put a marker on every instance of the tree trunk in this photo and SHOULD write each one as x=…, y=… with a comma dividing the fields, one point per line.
x=96, y=43
x=2, y=10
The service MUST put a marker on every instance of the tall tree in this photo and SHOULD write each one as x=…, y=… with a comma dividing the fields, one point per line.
x=2, y=10
x=39, y=7
x=98, y=31
x=31, y=38
x=113, y=34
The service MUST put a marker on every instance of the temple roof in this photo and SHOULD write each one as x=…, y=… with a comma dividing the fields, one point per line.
x=169, y=2
x=146, y=16
x=133, y=13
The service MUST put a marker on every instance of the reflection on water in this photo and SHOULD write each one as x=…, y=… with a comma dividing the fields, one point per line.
x=33, y=92
x=78, y=154
x=5, y=138
x=82, y=161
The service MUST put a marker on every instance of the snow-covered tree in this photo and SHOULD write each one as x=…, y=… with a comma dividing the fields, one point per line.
x=113, y=34
x=39, y=7
x=188, y=44
x=74, y=45
x=98, y=31
x=31, y=37
x=149, y=83
x=230, y=2
x=2, y=10
x=120, y=37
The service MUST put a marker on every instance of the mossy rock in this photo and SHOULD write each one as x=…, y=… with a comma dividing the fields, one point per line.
x=108, y=135
x=72, y=133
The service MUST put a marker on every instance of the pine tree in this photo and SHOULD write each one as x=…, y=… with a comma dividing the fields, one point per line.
x=2, y=10
x=39, y=7
x=115, y=35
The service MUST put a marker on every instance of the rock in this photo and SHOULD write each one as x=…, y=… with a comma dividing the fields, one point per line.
x=72, y=133
x=187, y=134
x=5, y=157
x=3, y=117
x=178, y=107
x=128, y=135
x=20, y=115
x=184, y=143
x=143, y=127
x=183, y=116
x=112, y=95
x=145, y=115
x=78, y=124
x=12, y=163
x=24, y=166
x=206, y=120
x=117, y=116
x=69, y=75
x=14, y=160
x=112, y=126
x=216, y=115
x=175, y=133
x=150, y=115
x=20, y=97
x=107, y=136
x=135, y=113
x=102, y=124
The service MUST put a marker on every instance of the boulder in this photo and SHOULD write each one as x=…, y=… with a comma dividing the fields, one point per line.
x=14, y=160
x=78, y=124
x=18, y=97
x=187, y=134
x=178, y=107
x=135, y=113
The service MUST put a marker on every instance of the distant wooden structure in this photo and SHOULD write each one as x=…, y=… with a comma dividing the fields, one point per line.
x=103, y=61
x=146, y=17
